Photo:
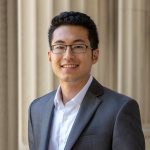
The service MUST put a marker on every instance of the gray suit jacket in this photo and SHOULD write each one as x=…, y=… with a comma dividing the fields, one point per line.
x=106, y=120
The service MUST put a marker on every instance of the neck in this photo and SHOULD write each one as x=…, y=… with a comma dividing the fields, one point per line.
x=70, y=90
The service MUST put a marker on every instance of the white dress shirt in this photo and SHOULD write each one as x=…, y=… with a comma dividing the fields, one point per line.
x=64, y=117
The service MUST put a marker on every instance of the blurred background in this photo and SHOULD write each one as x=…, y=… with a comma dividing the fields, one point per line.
x=25, y=72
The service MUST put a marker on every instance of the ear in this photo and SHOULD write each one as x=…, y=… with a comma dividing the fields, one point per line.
x=49, y=56
x=95, y=56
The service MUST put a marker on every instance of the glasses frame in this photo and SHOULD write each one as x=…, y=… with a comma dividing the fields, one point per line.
x=52, y=48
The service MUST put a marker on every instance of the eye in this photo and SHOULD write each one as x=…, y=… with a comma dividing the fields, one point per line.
x=78, y=46
x=59, y=47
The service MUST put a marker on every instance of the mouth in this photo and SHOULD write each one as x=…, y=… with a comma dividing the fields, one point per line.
x=69, y=66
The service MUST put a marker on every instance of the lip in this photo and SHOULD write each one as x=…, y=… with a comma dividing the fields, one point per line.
x=67, y=66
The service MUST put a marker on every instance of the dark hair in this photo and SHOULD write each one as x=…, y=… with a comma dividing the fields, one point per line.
x=78, y=19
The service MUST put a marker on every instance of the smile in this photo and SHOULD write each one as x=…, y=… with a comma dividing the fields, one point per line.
x=69, y=66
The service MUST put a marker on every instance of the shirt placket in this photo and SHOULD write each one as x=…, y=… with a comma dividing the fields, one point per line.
x=63, y=128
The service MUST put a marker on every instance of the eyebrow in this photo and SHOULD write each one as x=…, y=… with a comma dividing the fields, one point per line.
x=75, y=41
x=78, y=40
x=59, y=41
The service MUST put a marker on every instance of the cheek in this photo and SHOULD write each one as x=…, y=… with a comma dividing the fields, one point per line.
x=53, y=58
x=89, y=57
x=88, y=61
x=55, y=66
x=55, y=62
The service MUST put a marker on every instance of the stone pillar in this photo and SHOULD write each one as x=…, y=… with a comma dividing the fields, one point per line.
x=12, y=77
x=134, y=54
x=35, y=74
x=27, y=57
x=8, y=75
x=3, y=76
x=106, y=71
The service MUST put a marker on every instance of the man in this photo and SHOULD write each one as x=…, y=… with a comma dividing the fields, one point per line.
x=81, y=114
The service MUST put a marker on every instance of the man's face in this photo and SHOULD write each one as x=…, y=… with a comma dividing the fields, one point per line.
x=70, y=66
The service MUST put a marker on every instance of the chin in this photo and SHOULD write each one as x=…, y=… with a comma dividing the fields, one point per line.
x=68, y=79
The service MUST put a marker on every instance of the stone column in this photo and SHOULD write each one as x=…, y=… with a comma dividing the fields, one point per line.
x=3, y=76
x=106, y=71
x=27, y=57
x=35, y=74
x=12, y=77
x=134, y=54
x=8, y=75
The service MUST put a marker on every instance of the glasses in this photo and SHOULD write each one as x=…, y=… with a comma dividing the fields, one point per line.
x=76, y=48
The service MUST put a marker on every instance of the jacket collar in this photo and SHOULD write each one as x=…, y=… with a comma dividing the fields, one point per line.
x=86, y=111
x=48, y=112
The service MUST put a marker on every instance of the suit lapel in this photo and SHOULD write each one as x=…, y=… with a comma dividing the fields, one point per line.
x=86, y=111
x=46, y=123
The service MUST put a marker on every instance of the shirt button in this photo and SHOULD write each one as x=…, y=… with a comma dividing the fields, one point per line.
x=61, y=140
x=65, y=118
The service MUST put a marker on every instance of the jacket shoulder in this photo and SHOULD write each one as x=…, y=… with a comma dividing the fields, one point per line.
x=108, y=94
x=117, y=101
x=40, y=102
x=113, y=95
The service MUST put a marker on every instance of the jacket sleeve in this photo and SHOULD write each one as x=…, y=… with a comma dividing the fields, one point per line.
x=30, y=131
x=128, y=134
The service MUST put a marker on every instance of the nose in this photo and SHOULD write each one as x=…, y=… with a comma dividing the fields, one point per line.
x=68, y=55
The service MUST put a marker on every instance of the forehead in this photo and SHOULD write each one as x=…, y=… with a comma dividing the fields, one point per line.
x=70, y=33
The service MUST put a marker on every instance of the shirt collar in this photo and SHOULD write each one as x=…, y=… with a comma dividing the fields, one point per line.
x=77, y=99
